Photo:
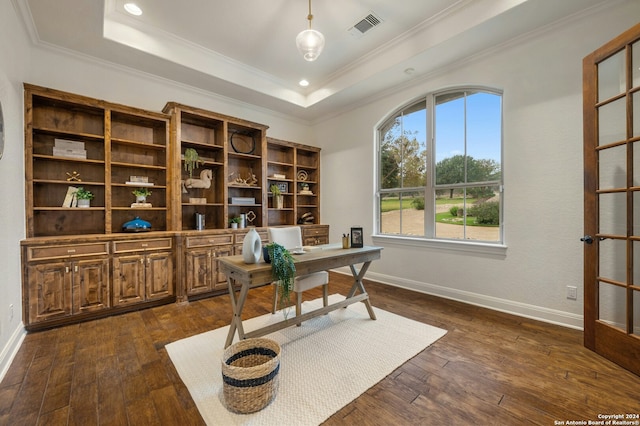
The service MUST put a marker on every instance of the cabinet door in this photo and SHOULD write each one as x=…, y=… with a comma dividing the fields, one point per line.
x=91, y=285
x=49, y=291
x=159, y=275
x=220, y=278
x=199, y=271
x=128, y=280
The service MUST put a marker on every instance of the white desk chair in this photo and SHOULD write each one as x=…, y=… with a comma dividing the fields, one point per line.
x=290, y=237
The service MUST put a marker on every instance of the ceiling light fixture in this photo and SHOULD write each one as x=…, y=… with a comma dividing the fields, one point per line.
x=133, y=9
x=310, y=42
x=303, y=83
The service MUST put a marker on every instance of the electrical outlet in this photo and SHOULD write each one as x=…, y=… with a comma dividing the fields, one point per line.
x=11, y=312
x=572, y=292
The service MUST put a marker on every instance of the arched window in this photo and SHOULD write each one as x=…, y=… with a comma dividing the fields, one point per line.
x=440, y=168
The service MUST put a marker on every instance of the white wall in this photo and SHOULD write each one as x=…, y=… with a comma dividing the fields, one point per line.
x=14, y=61
x=541, y=76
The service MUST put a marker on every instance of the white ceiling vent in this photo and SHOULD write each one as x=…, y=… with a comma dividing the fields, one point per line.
x=365, y=24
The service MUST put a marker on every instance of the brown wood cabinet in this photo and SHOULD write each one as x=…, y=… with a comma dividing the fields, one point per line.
x=295, y=169
x=142, y=270
x=75, y=141
x=79, y=263
x=231, y=150
x=315, y=235
x=201, y=265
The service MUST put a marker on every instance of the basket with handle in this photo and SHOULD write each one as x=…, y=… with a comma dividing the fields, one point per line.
x=250, y=374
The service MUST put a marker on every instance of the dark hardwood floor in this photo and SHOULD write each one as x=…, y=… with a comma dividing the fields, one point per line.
x=490, y=369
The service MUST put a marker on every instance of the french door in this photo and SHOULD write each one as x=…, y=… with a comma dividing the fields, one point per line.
x=611, y=98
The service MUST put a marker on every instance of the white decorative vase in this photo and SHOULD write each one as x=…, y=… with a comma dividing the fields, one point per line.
x=251, y=247
x=84, y=203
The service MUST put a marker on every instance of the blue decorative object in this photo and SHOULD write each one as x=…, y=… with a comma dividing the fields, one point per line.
x=136, y=225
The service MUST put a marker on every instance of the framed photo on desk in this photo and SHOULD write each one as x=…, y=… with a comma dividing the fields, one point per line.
x=356, y=238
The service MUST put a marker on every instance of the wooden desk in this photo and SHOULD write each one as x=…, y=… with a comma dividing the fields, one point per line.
x=256, y=274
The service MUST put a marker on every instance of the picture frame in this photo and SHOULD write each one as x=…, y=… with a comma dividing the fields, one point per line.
x=357, y=240
x=283, y=187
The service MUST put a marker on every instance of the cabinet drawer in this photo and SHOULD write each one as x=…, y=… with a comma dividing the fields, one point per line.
x=141, y=245
x=264, y=236
x=315, y=231
x=209, y=240
x=64, y=251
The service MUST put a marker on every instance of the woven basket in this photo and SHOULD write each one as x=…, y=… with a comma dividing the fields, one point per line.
x=250, y=374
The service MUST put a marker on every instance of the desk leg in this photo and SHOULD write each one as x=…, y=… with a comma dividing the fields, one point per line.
x=236, y=306
x=357, y=285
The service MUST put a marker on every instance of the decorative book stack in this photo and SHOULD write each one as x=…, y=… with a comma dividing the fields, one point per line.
x=69, y=149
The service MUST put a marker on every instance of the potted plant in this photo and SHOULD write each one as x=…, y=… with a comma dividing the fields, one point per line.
x=141, y=194
x=84, y=197
x=283, y=270
x=278, y=198
x=191, y=161
x=234, y=221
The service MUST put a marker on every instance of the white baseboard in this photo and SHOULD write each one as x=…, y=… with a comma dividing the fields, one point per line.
x=539, y=313
x=11, y=349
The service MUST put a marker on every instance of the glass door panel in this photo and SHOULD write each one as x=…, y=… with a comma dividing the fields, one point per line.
x=636, y=117
x=636, y=313
x=613, y=167
x=611, y=80
x=635, y=64
x=613, y=260
x=612, y=122
x=613, y=217
x=612, y=300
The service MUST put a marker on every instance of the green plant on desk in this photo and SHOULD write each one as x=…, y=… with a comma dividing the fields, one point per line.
x=283, y=271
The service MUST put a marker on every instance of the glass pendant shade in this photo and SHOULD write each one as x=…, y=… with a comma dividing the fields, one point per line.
x=310, y=43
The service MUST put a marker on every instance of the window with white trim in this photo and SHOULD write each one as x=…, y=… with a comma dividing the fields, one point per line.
x=439, y=173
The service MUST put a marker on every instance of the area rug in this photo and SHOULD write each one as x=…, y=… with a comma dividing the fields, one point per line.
x=325, y=364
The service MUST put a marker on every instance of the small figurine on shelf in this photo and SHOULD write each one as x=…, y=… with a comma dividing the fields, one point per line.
x=304, y=189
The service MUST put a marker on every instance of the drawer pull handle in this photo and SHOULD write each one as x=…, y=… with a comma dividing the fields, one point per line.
x=144, y=245
x=71, y=251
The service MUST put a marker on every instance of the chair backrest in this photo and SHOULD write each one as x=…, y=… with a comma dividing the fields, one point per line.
x=289, y=237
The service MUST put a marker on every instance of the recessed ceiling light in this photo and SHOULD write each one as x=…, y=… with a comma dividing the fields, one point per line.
x=133, y=9
x=303, y=83
x=409, y=71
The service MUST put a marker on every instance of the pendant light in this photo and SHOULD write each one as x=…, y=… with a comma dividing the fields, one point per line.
x=310, y=42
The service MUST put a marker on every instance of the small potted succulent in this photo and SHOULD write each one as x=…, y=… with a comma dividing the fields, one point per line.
x=278, y=198
x=234, y=221
x=84, y=197
x=141, y=194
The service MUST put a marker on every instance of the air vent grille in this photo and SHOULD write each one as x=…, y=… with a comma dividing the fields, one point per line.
x=365, y=24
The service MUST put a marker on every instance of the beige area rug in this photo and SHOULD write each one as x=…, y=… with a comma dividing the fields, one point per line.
x=325, y=364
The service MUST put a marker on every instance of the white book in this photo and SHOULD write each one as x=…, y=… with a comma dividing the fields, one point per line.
x=67, y=144
x=141, y=184
x=70, y=198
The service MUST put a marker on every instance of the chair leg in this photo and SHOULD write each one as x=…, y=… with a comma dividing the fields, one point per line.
x=325, y=294
x=298, y=306
x=275, y=298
